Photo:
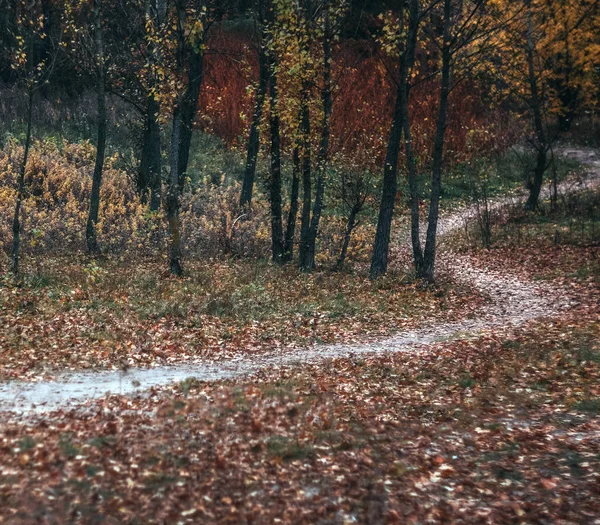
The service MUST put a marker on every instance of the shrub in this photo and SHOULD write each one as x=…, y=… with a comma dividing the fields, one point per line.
x=58, y=184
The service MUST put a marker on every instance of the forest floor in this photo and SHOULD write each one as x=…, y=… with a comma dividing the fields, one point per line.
x=491, y=415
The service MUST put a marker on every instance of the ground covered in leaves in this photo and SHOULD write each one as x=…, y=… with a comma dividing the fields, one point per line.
x=76, y=313
x=500, y=428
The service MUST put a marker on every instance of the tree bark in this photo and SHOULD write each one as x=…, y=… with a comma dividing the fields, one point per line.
x=189, y=107
x=16, y=226
x=307, y=263
x=293, y=213
x=538, y=122
x=306, y=178
x=541, y=158
x=277, y=246
x=150, y=165
x=151, y=161
x=184, y=113
x=427, y=270
x=381, y=245
x=352, y=223
x=410, y=160
x=91, y=234
x=305, y=13
x=172, y=204
x=254, y=138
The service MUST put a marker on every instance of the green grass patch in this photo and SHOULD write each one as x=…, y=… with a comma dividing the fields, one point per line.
x=288, y=449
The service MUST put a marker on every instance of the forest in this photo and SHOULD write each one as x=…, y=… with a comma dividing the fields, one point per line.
x=299, y=261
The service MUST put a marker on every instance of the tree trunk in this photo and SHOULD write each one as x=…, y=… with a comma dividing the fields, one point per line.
x=293, y=213
x=538, y=179
x=90, y=233
x=410, y=159
x=427, y=270
x=150, y=165
x=538, y=122
x=172, y=204
x=189, y=107
x=349, y=229
x=254, y=138
x=184, y=113
x=381, y=245
x=275, y=182
x=307, y=263
x=306, y=178
x=16, y=226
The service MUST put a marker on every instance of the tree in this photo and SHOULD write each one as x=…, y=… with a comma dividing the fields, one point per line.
x=33, y=69
x=354, y=188
x=540, y=143
x=189, y=35
x=426, y=269
x=319, y=22
x=84, y=21
x=151, y=157
x=100, y=77
x=458, y=34
x=288, y=249
x=402, y=44
x=307, y=256
x=305, y=19
x=545, y=59
x=260, y=7
x=277, y=241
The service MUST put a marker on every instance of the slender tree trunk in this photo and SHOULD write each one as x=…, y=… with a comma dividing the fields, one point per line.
x=90, y=232
x=275, y=182
x=411, y=167
x=172, y=203
x=381, y=245
x=538, y=122
x=150, y=165
x=184, y=113
x=306, y=178
x=307, y=263
x=410, y=159
x=349, y=229
x=538, y=179
x=293, y=213
x=16, y=226
x=254, y=138
x=151, y=161
x=415, y=230
x=427, y=270
x=189, y=107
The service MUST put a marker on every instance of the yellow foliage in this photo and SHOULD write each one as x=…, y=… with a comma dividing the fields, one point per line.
x=58, y=185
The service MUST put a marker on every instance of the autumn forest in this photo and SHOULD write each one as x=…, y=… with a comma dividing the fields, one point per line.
x=299, y=261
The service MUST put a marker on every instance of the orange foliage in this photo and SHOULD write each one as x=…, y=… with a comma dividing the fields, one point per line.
x=230, y=66
x=363, y=103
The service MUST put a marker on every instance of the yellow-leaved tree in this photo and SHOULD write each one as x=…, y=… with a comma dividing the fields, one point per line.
x=547, y=62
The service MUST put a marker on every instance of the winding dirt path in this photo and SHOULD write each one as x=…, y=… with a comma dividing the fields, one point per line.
x=513, y=302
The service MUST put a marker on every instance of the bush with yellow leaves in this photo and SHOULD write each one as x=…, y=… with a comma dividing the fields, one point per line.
x=58, y=184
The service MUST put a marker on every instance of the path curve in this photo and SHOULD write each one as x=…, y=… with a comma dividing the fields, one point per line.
x=513, y=301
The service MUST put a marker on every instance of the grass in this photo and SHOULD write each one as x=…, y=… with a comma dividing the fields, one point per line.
x=589, y=405
x=288, y=449
x=71, y=311
x=503, y=175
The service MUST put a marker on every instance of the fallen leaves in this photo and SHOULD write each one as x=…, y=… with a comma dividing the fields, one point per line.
x=222, y=310
x=401, y=438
